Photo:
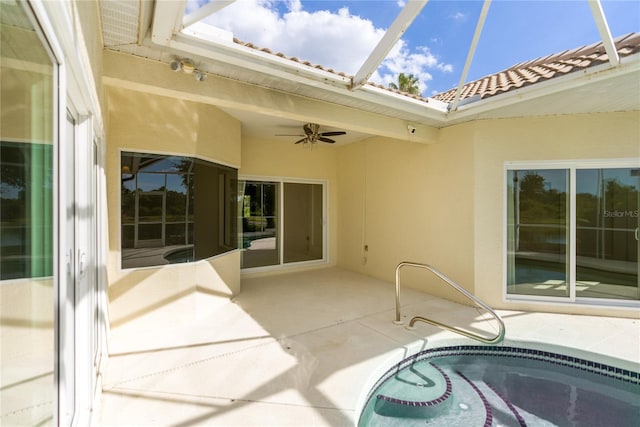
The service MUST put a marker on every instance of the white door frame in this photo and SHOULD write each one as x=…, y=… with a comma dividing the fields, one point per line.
x=76, y=93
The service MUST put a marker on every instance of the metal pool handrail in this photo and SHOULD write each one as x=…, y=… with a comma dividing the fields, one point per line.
x=498, y=338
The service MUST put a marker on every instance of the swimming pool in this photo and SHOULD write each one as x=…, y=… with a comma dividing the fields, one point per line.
x=473, y=385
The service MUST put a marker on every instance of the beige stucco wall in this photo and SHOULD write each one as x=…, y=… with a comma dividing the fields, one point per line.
x=408, y=202
x=88, y=18
x=143, y=122
x=279, y=159
x=588, y=136
x=442, y=204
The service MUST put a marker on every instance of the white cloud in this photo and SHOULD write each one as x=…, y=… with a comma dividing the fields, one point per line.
x=194, y=5
x=458, y=16
x=340, y=41
x=420, y=63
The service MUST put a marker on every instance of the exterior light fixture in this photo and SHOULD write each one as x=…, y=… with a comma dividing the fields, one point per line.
x=187, y=66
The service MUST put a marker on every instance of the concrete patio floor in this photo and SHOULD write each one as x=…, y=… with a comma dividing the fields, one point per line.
x=302, y=349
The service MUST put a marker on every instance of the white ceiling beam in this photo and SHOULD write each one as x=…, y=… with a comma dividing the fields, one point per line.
x=131, y=72
x=206, y=10
x=472, y=51
x=389, y=39
x=605, y=33
x=167, y=20
x=283, y=68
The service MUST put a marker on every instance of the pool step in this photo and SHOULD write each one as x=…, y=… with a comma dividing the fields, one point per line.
x=428, y=394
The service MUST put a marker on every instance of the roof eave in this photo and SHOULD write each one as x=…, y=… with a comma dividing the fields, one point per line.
x=280, y=67
x=594, y=74
x=277, y=69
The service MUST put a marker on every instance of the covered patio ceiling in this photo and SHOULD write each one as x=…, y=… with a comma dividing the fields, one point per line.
x=162, y=32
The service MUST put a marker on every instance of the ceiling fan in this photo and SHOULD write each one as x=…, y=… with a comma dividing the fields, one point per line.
x=312, y=134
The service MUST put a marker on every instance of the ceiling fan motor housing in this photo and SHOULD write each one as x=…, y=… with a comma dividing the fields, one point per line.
x=312, y=134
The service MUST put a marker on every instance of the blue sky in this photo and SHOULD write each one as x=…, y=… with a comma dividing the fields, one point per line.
x=340, y=34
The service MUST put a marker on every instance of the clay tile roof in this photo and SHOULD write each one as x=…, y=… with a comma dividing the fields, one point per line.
x=541, y=69
x=520, y=75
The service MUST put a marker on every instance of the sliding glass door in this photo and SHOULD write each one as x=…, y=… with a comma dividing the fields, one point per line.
x=50, y=344
x=303, y=222
x=260, y=241
x=607, y=233
x=538, y=233
x=27, y=229
x=281, y=222
x=572, y=232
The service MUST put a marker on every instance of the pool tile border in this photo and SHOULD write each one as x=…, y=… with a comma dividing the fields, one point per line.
x=603, y=369
x=597, y=368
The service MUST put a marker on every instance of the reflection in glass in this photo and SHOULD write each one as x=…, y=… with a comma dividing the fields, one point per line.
x=537, y=262
x=303, y=222
x=259, y=224
x=606, y=233
x=167, y=218
x=150, y=206
x=27, y=344
x=302, y=235
x=176, y=197
x=26, y=210
x=149, y=182
x=149, y=232
x=128, y=204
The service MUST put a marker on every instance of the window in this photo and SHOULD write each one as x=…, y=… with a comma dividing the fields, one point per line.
x=277, y=229
x=572, y=231
x=175, y=209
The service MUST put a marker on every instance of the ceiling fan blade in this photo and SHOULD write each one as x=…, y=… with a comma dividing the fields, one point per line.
x=336, y=133
x=323, y=139
x=301, y=140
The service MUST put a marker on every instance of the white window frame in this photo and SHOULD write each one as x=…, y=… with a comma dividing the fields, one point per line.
x=572, y=166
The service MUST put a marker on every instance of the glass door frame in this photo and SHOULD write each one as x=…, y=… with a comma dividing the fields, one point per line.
x=75, y=92
x=571, y=166
x=89, y=337
x=280, y=181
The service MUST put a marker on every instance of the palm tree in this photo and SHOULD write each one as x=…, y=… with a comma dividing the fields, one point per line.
x=407, y=83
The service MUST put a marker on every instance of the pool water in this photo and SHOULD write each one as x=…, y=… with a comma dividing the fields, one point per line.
x=180, y=255
x=502, y=386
